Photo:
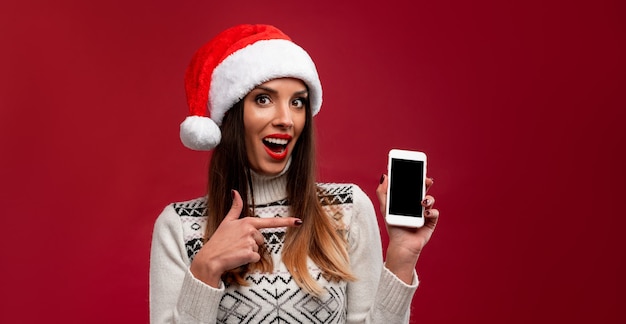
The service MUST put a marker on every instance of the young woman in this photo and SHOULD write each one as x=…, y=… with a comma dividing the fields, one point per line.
x=268, y=244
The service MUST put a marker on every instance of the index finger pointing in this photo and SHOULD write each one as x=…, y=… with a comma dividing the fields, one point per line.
x=275, y=222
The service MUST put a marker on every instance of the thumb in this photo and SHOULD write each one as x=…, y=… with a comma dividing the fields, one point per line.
x=381, y=193
x=236, y=207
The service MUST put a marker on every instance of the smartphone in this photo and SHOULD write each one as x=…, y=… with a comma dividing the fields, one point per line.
x=406, y=188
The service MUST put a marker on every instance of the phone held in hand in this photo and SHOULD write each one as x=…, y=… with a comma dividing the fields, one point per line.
x=406, y=188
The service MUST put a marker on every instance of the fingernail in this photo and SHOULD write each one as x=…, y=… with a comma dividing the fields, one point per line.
x=427, y=212
x=382, y=178
x=232, y=193
x=298, y=222
x=426, y=202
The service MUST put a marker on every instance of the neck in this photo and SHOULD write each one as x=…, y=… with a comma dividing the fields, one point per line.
x=269, y=188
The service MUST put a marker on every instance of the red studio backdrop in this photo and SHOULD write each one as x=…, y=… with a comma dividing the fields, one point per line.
x=519, y=105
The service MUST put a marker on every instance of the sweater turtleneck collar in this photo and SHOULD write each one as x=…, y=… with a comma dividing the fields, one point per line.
x=269, y=188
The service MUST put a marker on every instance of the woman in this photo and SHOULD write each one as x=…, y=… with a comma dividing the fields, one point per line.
x=268, y=244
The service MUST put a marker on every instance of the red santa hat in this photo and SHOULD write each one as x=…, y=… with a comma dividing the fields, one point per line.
x=225, y=69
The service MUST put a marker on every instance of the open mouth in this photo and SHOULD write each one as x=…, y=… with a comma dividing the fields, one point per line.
x=276, y=145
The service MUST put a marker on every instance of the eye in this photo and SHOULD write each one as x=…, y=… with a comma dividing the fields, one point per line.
x=299, y=102
x=262, y=99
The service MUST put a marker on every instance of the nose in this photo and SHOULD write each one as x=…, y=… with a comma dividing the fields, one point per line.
x=283, y=118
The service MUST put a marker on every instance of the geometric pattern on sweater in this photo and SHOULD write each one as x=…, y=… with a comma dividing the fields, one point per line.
x=275, y=297
x=333, y=194
x=281, y=300
x=193, y=216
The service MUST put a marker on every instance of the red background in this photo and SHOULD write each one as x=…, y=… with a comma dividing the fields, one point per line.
x=519, y=105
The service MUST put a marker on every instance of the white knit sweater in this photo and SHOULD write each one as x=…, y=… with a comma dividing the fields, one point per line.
x=176, y=296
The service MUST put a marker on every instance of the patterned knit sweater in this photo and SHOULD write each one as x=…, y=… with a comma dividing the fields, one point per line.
x=177, y=297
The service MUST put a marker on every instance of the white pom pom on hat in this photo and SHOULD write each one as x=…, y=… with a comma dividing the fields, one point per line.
x=225, y=69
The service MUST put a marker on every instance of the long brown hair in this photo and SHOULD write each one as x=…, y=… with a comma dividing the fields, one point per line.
x=319, y=237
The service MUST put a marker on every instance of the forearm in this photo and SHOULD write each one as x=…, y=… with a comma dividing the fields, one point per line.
x=175, y=295
x=379, y=295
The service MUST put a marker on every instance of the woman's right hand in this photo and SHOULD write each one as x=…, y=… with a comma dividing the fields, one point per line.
x=235, y=243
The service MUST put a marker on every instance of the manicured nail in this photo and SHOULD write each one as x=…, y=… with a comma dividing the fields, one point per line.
x=382, y=178
x=427, y=212
x=426, y=202
x=298, y=222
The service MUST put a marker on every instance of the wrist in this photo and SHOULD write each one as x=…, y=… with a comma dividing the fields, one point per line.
x=206, y=274
x=401, y=262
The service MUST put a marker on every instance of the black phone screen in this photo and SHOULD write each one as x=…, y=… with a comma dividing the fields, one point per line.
x=406, y=187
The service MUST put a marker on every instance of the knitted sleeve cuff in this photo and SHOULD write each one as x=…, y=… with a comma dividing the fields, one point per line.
x=199, y=300
x=395, y=296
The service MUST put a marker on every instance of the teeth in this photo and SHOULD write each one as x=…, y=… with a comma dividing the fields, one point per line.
x=276, y=141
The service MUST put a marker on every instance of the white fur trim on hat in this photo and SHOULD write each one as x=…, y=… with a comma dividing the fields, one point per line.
x=255, y=64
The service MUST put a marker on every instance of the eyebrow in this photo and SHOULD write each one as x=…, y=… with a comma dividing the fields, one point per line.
x=260, y=87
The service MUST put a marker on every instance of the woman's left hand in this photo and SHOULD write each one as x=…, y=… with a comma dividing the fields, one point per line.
x=405, y=243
